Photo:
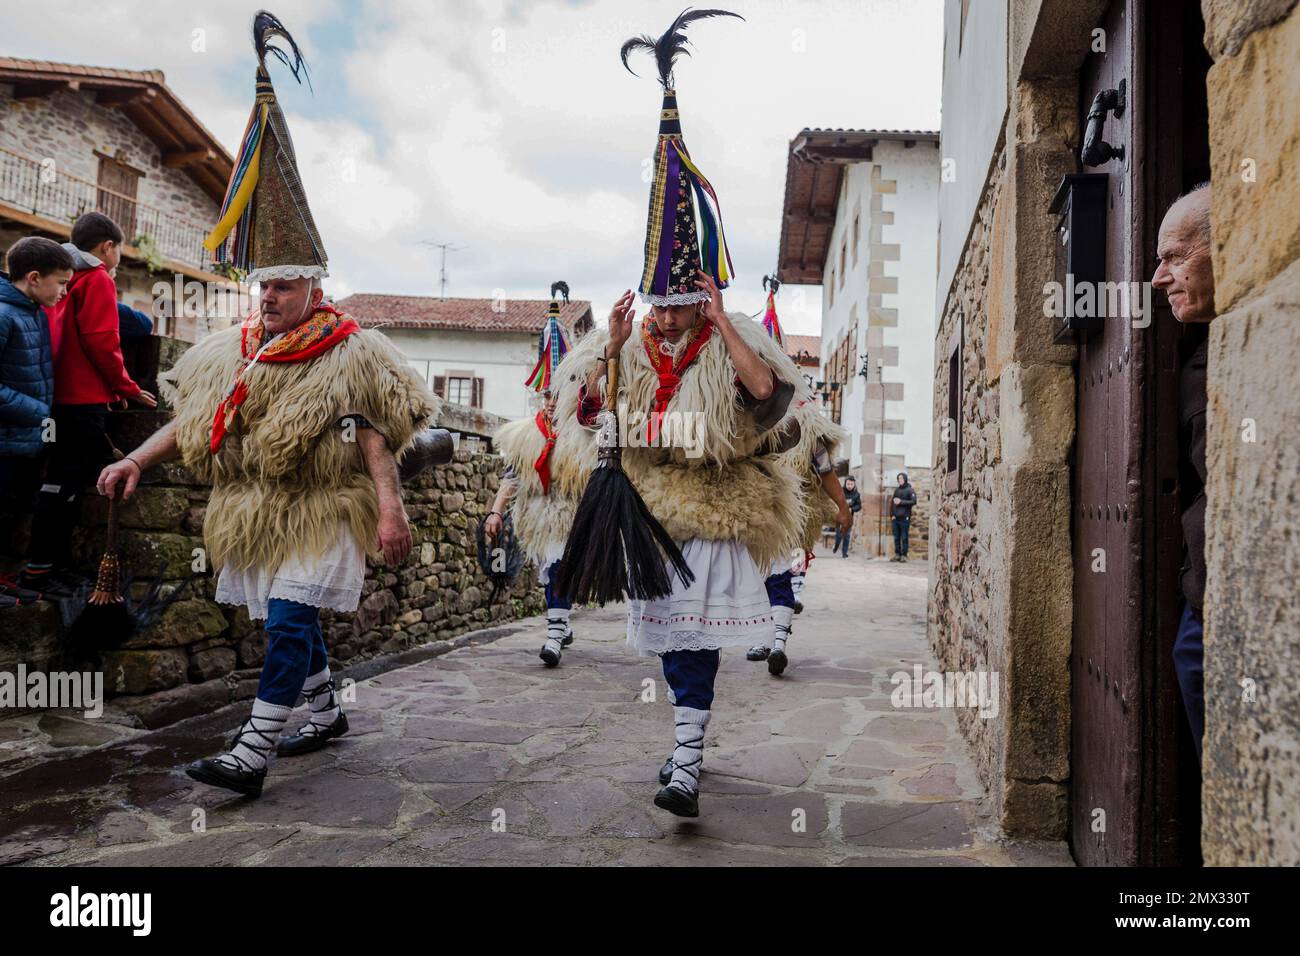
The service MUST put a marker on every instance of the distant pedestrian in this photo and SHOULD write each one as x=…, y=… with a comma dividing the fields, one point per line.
x=901, y=506
x=854, y=499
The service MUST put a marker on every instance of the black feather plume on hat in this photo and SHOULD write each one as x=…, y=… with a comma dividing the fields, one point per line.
x=266, y=27
x=672, y=44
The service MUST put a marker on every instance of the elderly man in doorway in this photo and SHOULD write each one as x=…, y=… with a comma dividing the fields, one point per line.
x=1186, y=275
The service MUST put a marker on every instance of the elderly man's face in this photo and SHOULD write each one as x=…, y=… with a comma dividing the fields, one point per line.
x=1185, y=273
x=288, y=302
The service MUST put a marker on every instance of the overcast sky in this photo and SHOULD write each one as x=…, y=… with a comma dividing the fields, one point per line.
x=512, y=129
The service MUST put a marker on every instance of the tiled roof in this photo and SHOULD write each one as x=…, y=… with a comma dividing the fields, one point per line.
x=479, y=315
x=812, y=344
x=144, y=97
x=814, y=172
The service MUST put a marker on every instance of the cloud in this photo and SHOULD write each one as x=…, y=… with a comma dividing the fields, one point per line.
x=513, y=130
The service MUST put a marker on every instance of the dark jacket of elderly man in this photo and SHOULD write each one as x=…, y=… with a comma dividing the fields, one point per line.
x=1186, y=275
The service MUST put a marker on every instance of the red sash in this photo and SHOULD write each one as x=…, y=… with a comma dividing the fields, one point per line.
x=326, y=328
x=670, y=375
x=543, y=464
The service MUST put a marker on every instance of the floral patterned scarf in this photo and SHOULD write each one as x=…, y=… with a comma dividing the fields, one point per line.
x=326, y=328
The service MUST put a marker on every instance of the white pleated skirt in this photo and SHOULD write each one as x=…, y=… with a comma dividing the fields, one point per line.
x=725, y=606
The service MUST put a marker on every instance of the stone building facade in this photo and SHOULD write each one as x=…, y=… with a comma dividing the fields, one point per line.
x=76, y=139
x=860, y=220
x=1007, y=510
x=201, y=655
x=1251, y=791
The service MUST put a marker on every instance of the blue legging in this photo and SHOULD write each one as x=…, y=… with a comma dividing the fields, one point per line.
x=553, y=599
x=295, y=649
x=779, y=591
x=691, y=675
x=1189, y=666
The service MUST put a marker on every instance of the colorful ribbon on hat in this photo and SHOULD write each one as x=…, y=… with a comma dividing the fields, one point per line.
x=770, y=321
x=543, y=464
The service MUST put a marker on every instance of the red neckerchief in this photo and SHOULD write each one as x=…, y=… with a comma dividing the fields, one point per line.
x=543, y=464
x=326, y=328
x=670, y=375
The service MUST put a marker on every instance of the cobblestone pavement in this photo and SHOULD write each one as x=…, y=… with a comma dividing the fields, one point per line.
x=483, y=756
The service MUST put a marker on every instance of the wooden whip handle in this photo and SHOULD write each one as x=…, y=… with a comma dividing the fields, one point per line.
x=110, y=538
x=611, y=383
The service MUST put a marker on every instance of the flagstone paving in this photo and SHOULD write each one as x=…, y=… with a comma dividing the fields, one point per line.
x=483, y=756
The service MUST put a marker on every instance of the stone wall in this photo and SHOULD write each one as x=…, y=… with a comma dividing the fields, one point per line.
x=1251, y=759
x=1001, y=567
x=201, y=655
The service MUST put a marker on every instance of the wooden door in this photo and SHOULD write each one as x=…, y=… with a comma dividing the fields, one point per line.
x=116, y=195
x=1132, y=802
x=1107, y=516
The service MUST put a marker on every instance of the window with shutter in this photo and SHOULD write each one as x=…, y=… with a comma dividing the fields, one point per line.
x=440, y=386
x=477, y=401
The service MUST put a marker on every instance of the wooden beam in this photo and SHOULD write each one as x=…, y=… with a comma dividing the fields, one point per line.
x=121, y=97
x=39, y=88
x=188, y=158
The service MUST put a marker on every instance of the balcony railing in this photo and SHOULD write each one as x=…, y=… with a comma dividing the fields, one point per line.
x=29, y=186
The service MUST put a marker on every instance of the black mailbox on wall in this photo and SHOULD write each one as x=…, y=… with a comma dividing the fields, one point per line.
x=1080, y=208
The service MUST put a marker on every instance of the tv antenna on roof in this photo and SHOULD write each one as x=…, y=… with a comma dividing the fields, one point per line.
x=442, y=272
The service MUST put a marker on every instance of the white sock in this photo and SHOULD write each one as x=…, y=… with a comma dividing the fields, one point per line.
x=257, y=737
x=319, y=691
x=557, y=623
x=688, y=755
x=782, y=617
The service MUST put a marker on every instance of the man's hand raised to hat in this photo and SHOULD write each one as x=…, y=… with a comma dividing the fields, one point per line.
x=711, y=310
x=620, y=323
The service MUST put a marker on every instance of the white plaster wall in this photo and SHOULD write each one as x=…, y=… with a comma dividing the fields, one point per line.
x=916, y=231
x=974, y=113
x=915, y=208
x=502, y=359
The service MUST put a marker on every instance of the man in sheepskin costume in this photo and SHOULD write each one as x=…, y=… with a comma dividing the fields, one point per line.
x=820, y=489
x=296, y=418
x=823, y=502
x=545, y=474
x=701, y=391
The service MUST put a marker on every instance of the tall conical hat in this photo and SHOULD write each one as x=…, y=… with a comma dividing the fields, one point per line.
x=675, y=247
x=552, y=346
x=266, y=228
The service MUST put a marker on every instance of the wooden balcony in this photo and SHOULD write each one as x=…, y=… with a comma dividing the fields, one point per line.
x=50, y=200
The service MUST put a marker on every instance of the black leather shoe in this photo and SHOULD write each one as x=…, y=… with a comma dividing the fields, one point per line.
x=798, y=606
x=568, y=639
x=666, y=772
x=776, y=662
x=247, y=782
x=678, y=802
x=310, y=737
x=758, y=653
x=549, y=655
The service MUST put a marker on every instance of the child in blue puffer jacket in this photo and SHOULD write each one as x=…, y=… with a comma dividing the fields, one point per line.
x=39, y=270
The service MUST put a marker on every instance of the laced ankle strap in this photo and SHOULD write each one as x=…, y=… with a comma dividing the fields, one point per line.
x=325, y=688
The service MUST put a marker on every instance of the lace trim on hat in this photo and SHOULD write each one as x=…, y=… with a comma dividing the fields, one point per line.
x=677, y=298
x=287, y=272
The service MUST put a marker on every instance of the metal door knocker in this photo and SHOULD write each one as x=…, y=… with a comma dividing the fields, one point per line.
x=1096, y=151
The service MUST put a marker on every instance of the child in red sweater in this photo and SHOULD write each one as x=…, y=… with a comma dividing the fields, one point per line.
x=89, y=379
